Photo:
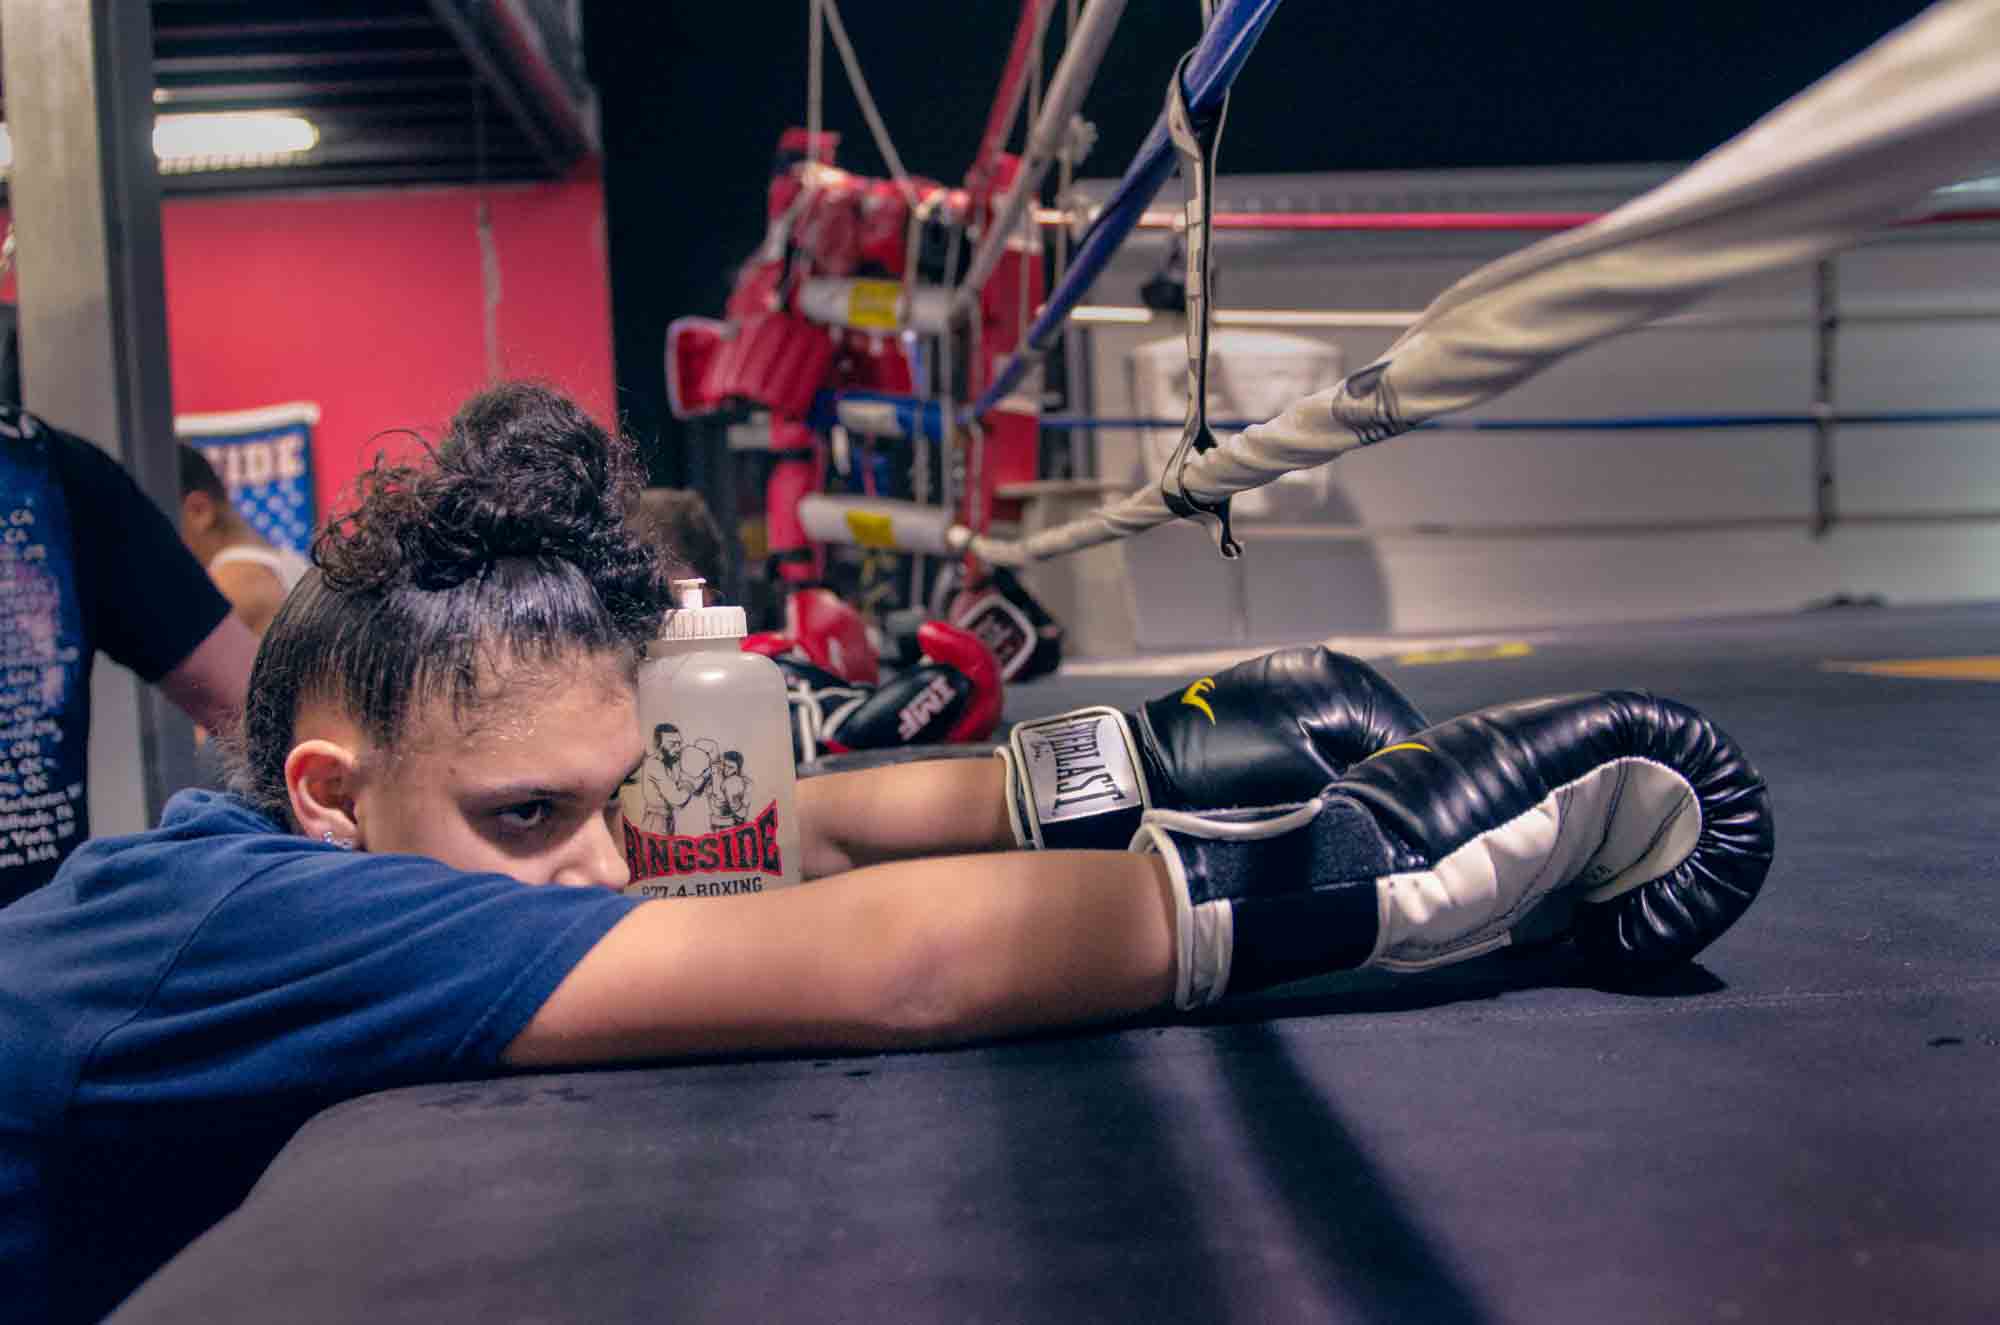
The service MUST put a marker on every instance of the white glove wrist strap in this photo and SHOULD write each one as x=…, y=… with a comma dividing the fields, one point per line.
x=1074, y=781
x=1204, y=936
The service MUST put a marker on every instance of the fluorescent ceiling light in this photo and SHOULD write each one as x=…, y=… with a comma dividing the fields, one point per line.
x=244, y=138
x=229, y=141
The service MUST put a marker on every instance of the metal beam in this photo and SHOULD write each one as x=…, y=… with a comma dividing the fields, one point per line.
x=246, y=95
x=367, y=175
x=86, y=209
x=241, y=63
x=257, y=29
x=558, y=149
x=1826, y=337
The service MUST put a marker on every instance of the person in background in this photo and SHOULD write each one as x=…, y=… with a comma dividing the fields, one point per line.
x=89, y=563
x=678, y=523
x=253, y=573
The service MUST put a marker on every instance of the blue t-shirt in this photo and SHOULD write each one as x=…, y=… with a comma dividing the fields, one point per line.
x=87, y=562
x=176, y=1003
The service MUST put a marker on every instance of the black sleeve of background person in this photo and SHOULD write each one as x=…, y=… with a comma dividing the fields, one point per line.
x=146, y=601
x=10, y=355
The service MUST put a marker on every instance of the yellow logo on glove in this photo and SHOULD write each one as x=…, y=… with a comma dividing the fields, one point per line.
x=1403, y=745
x=1192, y=697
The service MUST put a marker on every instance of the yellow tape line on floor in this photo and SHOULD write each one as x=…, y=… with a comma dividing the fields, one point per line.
x=1482, y=653
x=1934, y=669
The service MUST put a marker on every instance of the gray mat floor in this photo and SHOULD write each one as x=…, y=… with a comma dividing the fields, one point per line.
x=1803, y=1127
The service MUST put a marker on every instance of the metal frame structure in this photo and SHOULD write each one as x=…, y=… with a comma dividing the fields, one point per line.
x=1208, y=74
x=1838, y=162
x=93, y=313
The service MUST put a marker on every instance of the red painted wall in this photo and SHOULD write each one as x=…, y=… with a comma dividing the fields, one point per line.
x=373, y=305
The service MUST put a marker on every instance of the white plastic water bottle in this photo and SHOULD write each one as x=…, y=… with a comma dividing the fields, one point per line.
x=711, y=811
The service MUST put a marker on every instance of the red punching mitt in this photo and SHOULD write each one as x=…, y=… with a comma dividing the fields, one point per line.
x=774, y=359
x=692, y=344
x=832, y=634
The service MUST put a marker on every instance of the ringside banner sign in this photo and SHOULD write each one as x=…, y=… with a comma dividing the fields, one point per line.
x=265, y=459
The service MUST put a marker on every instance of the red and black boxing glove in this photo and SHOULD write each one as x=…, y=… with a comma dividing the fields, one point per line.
x=1271, y=730
x=953, y=695
x=1025, y=639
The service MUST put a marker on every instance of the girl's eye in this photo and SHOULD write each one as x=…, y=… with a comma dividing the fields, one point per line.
x=526, y=816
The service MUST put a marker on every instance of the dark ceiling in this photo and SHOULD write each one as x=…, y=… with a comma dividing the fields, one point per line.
x=401, y=91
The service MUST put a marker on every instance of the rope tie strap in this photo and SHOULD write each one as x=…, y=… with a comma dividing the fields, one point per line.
x=1196, y=146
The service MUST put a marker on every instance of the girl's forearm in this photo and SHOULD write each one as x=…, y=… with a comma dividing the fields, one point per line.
x=930, y=808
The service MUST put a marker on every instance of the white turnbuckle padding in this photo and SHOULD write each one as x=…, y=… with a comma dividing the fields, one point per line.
x=1618, y=826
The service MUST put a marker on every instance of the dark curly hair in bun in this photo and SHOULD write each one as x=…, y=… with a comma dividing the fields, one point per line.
x=512, y=543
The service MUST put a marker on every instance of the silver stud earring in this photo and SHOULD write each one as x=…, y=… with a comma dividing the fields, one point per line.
x=344, y=843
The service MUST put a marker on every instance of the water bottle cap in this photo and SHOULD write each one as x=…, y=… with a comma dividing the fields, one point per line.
x=690, y=620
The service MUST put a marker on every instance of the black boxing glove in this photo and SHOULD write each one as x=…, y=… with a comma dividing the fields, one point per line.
x=953, y=695
x=1271, y=730
x=1630, y=824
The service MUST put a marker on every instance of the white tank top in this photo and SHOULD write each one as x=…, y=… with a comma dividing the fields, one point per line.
x=282, y=562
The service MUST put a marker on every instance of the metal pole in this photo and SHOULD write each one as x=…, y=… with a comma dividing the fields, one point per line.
x=1025, y=46
x=1826, y=323
x=1214, y=65
x=1073, y=77
x=85, y=196
x=1216, y=61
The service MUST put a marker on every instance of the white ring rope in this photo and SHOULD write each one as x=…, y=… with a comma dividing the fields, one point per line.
x=815, y=77
x=1852, y=153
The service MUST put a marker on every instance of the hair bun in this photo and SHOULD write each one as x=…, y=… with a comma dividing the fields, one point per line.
x=522, y=473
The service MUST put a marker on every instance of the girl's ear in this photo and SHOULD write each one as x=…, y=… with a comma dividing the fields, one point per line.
x=321, y=776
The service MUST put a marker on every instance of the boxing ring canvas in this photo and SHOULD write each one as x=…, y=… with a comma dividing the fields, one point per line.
x=1797, y=1128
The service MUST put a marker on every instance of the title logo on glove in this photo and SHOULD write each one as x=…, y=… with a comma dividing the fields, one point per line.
x=1078, y=764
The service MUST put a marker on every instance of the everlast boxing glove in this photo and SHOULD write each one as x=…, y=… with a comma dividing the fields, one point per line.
x=1271, y=730
x=953, y=695
x=1629, y=824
